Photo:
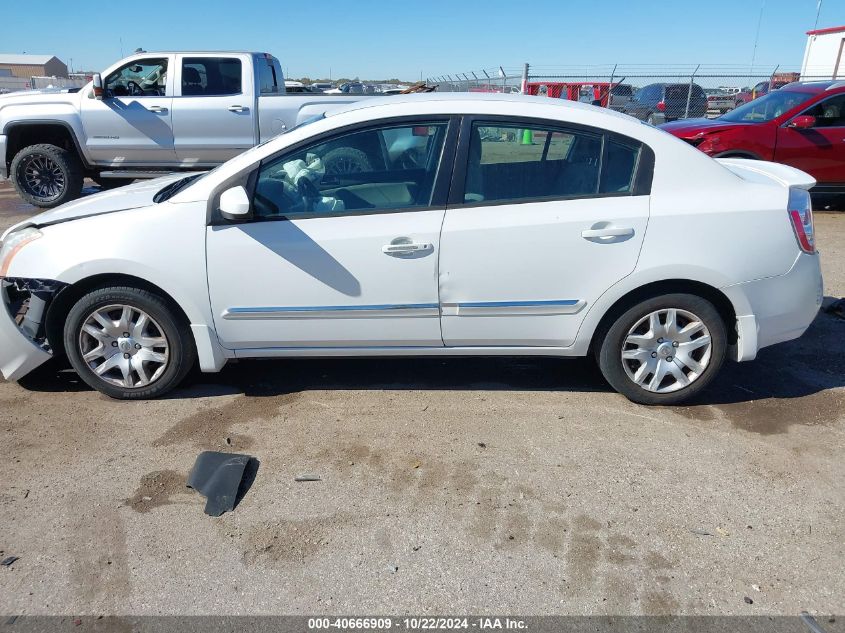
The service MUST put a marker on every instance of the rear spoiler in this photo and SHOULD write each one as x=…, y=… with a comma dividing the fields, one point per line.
x=765, y=172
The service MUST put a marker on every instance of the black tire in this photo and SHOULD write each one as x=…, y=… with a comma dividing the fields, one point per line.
x=610, y=348
x=112, y=183
x=67, y=165
x=181, y=350
x=346, y=160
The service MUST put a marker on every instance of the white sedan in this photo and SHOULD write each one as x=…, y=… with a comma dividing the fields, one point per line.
x=454, y=225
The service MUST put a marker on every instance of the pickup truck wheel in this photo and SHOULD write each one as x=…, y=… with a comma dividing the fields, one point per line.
x=46, y=175
x=664, y=350
x=346, y=160
x=128, y=343
x=112, y=183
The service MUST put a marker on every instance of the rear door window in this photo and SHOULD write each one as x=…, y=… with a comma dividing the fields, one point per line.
x=513, y=163
x=211, y=76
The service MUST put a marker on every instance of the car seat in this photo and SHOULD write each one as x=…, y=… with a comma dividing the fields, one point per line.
x=191, y=81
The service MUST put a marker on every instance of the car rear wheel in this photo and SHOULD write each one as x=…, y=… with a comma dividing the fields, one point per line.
x=664, y=350
x=46, y=175
x=128, y=343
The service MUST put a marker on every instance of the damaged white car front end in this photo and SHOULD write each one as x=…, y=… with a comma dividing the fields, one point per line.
x=24, y=344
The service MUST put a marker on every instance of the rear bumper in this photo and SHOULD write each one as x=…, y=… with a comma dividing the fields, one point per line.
x=19, y=354
x=782, y=308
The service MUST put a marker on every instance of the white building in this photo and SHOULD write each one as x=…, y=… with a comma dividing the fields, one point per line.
x=824, y=57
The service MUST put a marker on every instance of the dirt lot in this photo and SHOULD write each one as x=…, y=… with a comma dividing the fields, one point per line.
x=482, y=486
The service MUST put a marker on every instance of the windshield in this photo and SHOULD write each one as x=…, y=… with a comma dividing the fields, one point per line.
x=767, y=107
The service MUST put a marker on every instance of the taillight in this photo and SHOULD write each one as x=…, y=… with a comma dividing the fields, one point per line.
x=801, y=214
x=661, y=106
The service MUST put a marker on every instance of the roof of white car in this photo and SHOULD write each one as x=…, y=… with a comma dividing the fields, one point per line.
x=470, y=98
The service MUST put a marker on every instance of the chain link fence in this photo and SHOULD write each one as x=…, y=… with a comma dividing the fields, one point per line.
x=655, y=93
x=15, y=84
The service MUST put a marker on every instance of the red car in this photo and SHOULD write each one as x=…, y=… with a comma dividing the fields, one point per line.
x=802, y=125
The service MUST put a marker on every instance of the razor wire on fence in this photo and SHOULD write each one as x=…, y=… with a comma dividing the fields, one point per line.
x=655, y=93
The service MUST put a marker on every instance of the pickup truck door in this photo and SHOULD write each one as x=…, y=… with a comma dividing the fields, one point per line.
x=343, y=248
x=213, y=110
x=132, y=124
x=820, y=150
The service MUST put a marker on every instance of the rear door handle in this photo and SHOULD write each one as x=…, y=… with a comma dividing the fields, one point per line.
x=237, y=108
x=607, y=232
x=406, y=249
x=157, y=109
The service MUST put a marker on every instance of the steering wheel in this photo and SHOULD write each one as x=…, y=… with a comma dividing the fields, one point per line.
x=309, y=192
x=135, y=90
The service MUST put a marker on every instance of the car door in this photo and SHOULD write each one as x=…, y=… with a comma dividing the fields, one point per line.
x=132, y=124
x=543, y=218
x=343, y=247
x=819, y=150
x=213, y=117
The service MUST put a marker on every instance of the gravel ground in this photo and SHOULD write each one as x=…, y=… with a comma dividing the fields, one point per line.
x=482, y=486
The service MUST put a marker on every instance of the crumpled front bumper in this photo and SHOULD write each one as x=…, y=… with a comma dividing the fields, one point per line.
x=23, y=345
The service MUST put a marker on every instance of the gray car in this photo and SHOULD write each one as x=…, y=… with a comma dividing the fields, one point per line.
x=662, y=102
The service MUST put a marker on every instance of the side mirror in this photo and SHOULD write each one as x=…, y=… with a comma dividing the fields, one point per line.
x=98, y=86
x=803, y=122
x=234, y=204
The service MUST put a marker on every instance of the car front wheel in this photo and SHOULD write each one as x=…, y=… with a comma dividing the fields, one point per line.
x=664, y=350
x=128, y=343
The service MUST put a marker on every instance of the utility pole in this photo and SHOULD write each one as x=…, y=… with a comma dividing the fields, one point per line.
x=757, y=37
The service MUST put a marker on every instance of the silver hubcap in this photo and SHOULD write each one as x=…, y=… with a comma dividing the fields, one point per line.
x=43, y=178
x=667, y=350
x=124, y=346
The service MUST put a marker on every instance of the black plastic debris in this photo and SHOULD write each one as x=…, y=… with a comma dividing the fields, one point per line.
x=223, y=478
x=7, y=562
x=837, y=308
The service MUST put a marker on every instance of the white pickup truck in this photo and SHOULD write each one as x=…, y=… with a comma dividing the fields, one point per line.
x=149, y=114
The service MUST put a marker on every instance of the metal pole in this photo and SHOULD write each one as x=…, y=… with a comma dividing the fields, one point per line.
x=525, y=78
x=689, y=91
x=610, y=86
x=772, y=77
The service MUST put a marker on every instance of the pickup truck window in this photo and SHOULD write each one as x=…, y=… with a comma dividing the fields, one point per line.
x=139, y=78
x=211, y=76
x=269, y=83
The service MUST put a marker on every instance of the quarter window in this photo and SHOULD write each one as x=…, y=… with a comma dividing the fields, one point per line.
x=381, y=169
x=211, y=76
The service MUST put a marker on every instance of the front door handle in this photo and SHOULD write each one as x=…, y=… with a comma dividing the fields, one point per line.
x=237, y=108
x=610, y=231
x=157, y=109
x=409, y=248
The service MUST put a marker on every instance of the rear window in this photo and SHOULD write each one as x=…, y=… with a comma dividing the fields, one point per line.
x=267, y=78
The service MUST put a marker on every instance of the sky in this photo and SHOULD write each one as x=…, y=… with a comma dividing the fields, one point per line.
x=411, y=38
